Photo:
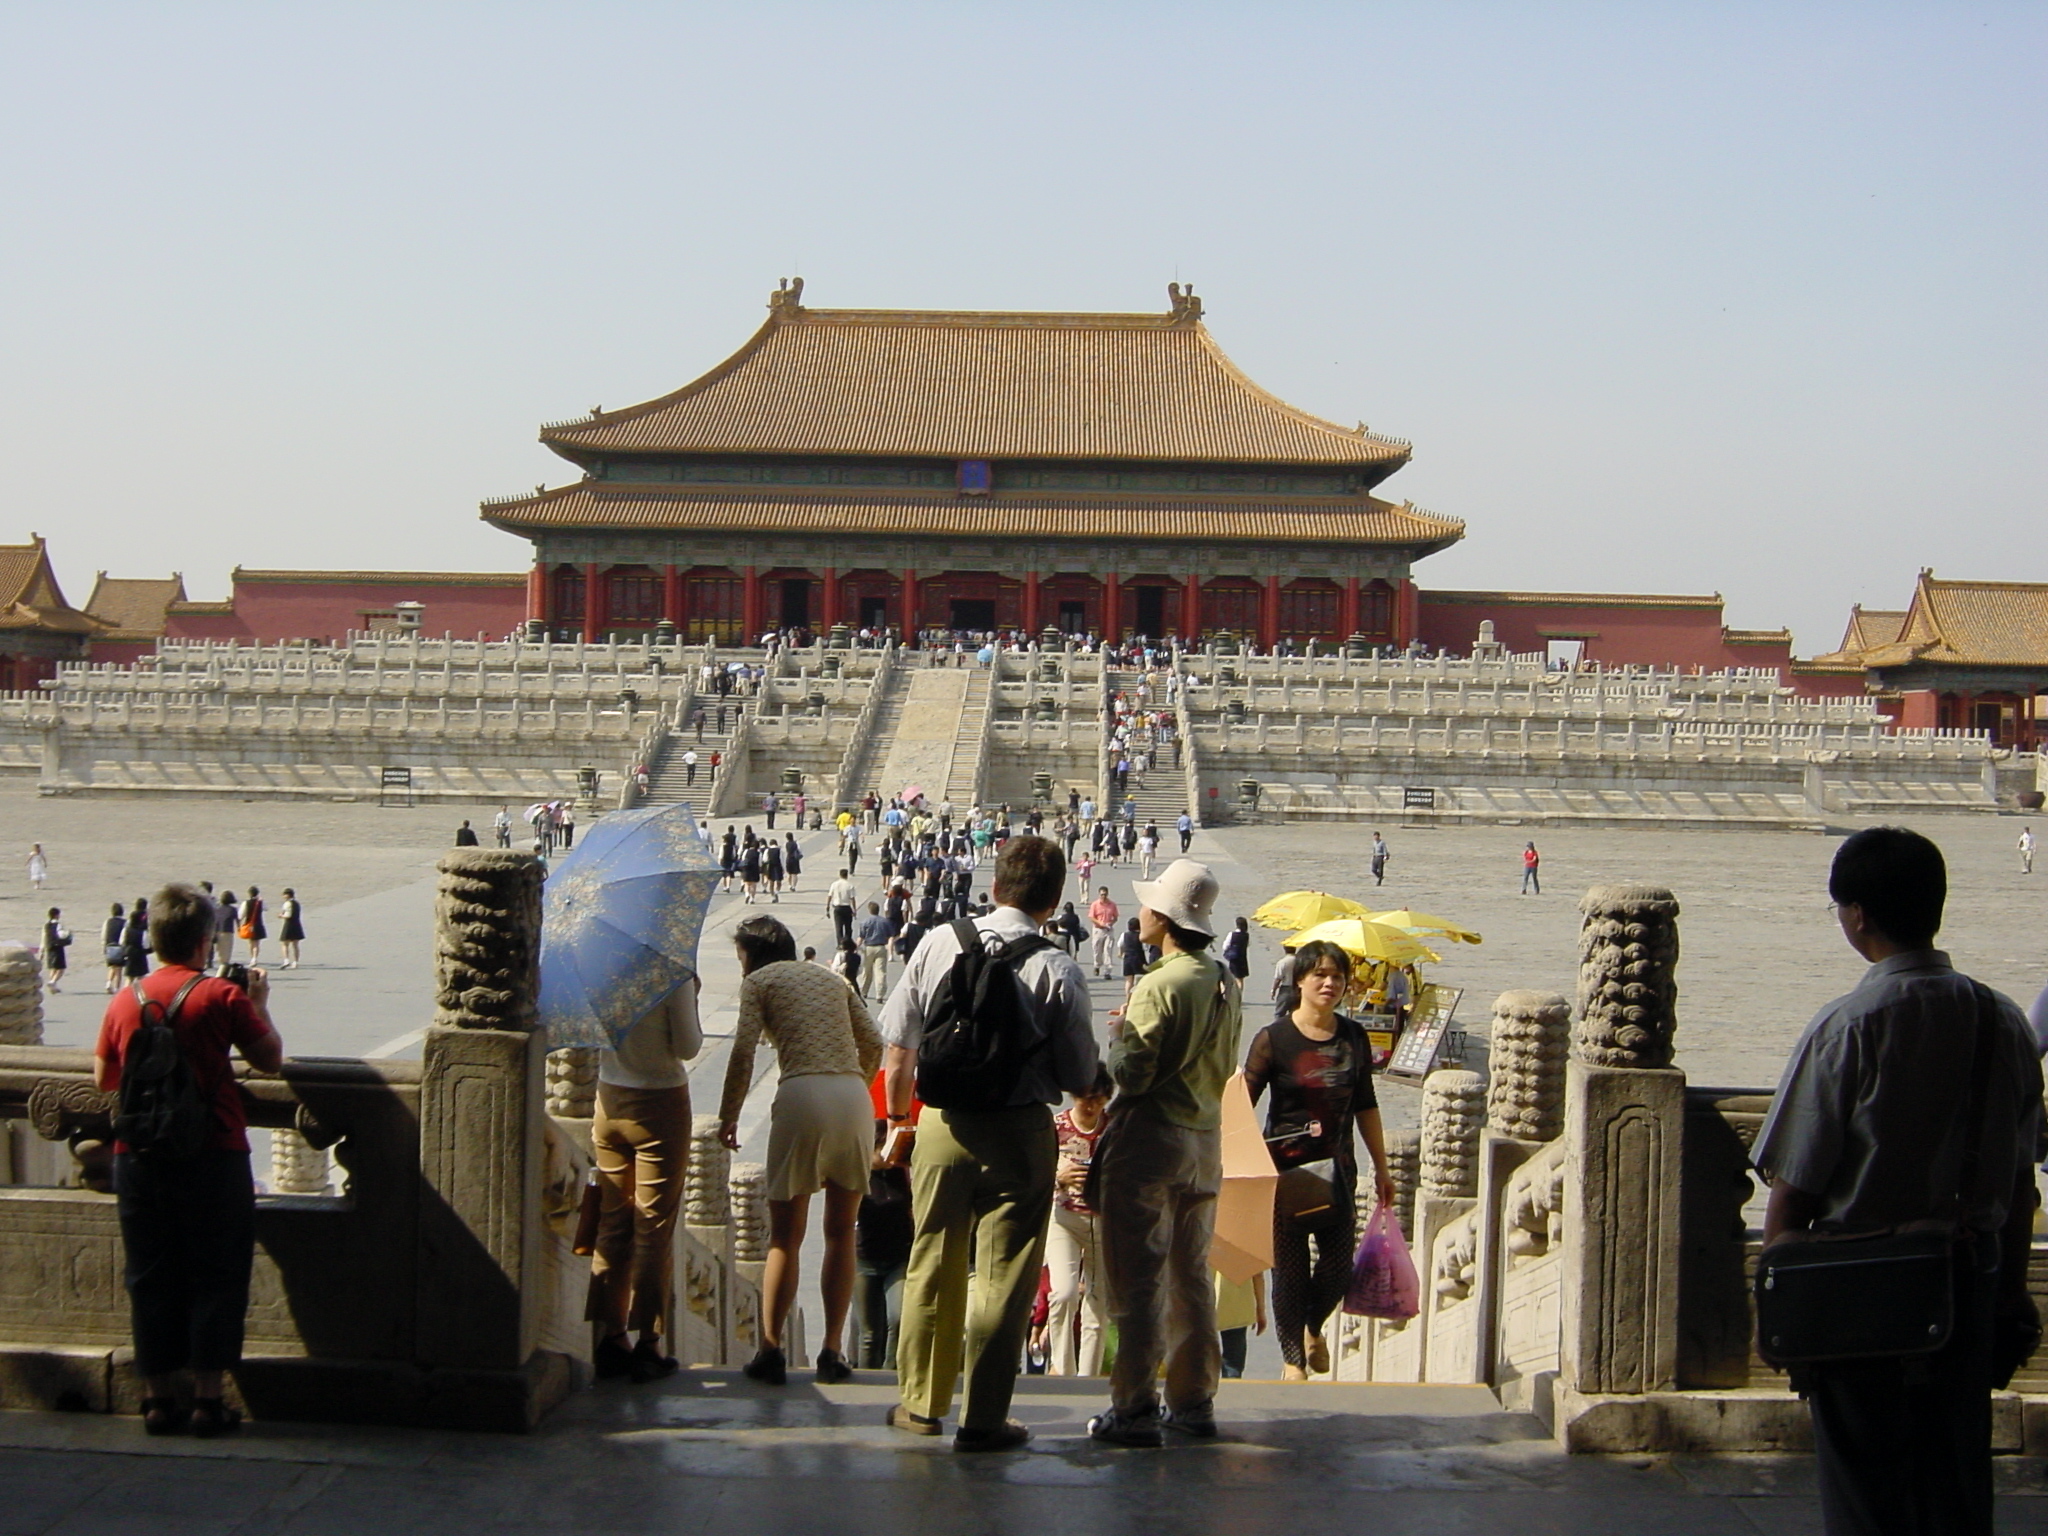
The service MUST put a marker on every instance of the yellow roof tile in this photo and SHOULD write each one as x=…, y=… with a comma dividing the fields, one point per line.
x=980, y=385
x=1013, y=515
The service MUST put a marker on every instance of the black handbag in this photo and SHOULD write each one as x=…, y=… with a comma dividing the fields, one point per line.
x=1870, y=1295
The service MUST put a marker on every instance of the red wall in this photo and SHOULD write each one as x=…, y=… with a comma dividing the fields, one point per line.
x=1625, y=632
x=269, y=611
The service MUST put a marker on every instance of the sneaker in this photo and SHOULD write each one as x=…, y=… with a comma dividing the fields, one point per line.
x=770, y=1367
x=1008, y=1436
x=832, y=1367
x=1114, y=1428
x=910, y=1423
x=1198, y=1422
x=650, y=1364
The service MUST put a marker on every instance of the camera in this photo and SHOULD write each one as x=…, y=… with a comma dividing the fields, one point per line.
x=235, y=974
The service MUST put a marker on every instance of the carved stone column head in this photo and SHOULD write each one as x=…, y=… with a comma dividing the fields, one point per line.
x=1404, y=1167
x=1453, y=1113
x=1628, y=987
x=572, y=1082
x=1531, y=1038
x=21, y=995
x=487, y=939
x=749, y=1185
x=705, y=1195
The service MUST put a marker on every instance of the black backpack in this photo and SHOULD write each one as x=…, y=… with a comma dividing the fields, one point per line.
x=979, y=1030
x=162, y=1112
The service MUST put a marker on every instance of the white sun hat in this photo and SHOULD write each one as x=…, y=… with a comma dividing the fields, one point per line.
x=1184, y=894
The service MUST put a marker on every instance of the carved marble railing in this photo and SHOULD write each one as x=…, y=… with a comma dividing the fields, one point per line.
x=435, y=1285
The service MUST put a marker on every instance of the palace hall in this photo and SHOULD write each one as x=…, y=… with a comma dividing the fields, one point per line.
x=1105, y=474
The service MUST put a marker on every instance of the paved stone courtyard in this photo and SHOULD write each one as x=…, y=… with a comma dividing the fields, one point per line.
x=708, y=1449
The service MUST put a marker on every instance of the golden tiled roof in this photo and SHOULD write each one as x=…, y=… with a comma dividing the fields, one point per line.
x=29, y=595
x=980, y=386
x=1970, y=623
x=134, y=606
x=1571, y=599
x=1362, y=519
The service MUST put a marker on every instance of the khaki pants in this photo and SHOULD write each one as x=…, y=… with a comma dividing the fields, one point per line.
x=981, y=1188
x=874, y=970
x=642, y=1141
x=1073, y=1257
x=1159, y=1184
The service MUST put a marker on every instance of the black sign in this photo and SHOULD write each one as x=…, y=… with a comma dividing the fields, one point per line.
x=1413, y=799
x=396, y=778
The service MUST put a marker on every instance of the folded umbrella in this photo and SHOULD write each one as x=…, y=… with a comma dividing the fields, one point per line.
x=620, y=919
x=1304, y=909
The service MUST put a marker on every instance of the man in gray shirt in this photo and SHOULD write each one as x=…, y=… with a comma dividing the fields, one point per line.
x=1869, y=1131
x=982, y=1180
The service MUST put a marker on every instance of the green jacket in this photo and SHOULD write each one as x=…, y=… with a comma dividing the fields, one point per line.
x=1178, y=1045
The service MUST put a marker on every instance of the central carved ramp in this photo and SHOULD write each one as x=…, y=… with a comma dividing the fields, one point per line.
x=922, y=752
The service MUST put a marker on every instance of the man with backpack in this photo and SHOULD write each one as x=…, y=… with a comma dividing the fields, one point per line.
x=186, y=1202
x=990, y=1024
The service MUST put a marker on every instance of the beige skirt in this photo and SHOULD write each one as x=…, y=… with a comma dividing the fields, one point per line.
x=821, y=1131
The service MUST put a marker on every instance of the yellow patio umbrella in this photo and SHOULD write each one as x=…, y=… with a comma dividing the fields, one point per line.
x=1304, y=909
x=1422, y=922
x=1366, y=939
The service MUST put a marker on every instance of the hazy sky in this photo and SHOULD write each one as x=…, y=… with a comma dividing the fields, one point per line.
x=1746, y=298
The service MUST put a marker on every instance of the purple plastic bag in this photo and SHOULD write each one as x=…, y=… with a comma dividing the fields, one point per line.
x=1383, y=1279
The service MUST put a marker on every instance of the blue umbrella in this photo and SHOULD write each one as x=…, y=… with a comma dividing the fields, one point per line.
x=620, y=919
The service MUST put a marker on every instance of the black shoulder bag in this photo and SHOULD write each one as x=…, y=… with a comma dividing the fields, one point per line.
x=1872, y=1295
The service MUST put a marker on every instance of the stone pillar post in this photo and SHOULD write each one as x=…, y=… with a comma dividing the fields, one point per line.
x=572, y=1082
x=1624, y=1120
x=297, y=1167
x=481, y=1150
x=1404, y=1167
x=1531, y=1039
x=1453, y=1114
x=748, y=1185
x=21, y=995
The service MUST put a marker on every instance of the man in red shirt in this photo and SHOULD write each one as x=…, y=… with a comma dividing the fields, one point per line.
x=1102, y=915
x=188, y=1224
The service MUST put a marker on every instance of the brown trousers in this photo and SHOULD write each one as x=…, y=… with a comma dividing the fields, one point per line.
x=642, y=1139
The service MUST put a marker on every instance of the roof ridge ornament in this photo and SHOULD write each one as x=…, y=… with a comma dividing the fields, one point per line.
x=1186, y=307
x=788, y=297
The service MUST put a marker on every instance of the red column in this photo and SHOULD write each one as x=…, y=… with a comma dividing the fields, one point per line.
x=537, y=592
x=910, y=623
x=1407, y=610
x=831, y=597
x=1269, y=614
x=1110, y=593
x=750, y=607
x=1191, y=611
x=672, y=595
x=1030, y=603
x=593, y=599
x=1347, y=610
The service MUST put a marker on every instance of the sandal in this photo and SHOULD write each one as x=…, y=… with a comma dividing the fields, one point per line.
x=163, y=1416
x=212, y=1418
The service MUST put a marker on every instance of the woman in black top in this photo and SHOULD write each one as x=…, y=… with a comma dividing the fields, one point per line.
x=135, y=941
x=750, y=868
x=114, y=947
x=792, y=859
x=1131, y=949
x=1318, y=1063
x=771, y=869
x=1237, y=951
